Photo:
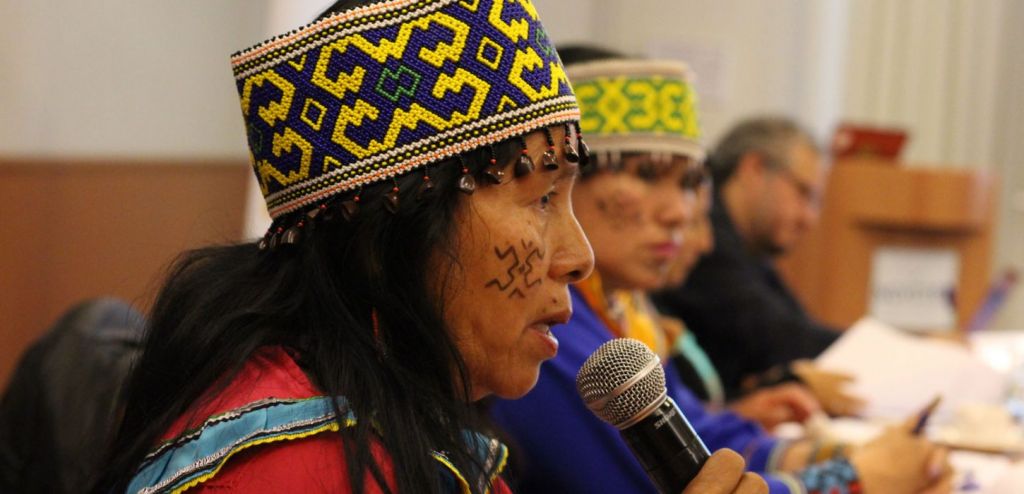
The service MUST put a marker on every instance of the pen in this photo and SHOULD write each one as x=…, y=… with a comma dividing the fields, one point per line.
x=922, y=418
x=970, y=484
x=994, y=299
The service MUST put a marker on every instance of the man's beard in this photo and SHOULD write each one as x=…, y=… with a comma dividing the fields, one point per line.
x=765, y=246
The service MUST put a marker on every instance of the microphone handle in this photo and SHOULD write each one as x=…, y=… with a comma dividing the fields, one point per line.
x=667, y=447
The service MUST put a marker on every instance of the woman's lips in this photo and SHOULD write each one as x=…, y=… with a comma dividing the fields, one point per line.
x=548, y=339
x=665, y=249
x=542, y=328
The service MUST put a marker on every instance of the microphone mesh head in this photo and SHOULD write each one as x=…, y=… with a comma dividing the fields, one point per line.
x=612, y=365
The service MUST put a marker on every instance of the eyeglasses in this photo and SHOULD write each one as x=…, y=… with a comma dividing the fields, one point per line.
x=807, y=191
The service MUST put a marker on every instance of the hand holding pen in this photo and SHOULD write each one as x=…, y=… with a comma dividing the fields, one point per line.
x=922, y=417
x=902, y=460
x=938, y=464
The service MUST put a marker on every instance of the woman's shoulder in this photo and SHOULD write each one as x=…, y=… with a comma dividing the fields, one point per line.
x=265, y=432
x=313, y=464
x=268, y=406
x=271, y=373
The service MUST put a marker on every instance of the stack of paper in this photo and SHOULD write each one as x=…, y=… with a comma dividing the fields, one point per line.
x=898, y=373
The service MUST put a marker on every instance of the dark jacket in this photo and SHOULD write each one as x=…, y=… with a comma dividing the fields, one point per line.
x=59, y=409
x=741, y=312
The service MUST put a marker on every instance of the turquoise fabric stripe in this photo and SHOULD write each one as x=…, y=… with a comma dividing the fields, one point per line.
x=179, y=464
x=688, y=347
x=184, y=462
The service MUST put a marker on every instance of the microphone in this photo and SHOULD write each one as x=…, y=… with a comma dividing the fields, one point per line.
x=623, y=383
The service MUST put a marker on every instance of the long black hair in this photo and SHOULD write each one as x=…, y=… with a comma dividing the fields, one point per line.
x=220, y=304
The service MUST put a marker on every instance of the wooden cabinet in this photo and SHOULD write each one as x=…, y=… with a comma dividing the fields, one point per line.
x=870, y=204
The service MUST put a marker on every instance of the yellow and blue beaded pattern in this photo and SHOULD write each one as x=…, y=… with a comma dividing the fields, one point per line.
x=637, y=105
x=380, y=90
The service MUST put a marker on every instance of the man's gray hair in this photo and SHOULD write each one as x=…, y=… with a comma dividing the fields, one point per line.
x=769, y=136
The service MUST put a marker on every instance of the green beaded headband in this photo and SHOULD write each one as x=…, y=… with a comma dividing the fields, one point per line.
x=637, y=106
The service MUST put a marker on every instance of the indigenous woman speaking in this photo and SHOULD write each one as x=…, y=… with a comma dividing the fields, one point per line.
x=417, y=158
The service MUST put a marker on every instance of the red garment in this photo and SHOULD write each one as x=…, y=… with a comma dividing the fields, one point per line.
x=270, y=373
x=312, y=464
x=309, y=465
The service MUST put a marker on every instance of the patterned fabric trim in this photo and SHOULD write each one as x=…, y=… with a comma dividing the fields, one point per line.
x=836, y=476
x=380, y=90
x=437, y=149
x=494, y=456
x=193, y=434
x=638, y=106
x=189, y=463
x=198, y=455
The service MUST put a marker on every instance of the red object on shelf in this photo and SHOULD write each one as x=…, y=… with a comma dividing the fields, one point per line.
x=852, y=141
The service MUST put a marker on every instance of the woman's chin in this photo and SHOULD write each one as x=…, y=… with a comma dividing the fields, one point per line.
x=517, y=389
x=651, y=282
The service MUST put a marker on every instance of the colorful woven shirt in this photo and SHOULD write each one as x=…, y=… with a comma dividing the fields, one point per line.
x=380, y=90
x=269, y=431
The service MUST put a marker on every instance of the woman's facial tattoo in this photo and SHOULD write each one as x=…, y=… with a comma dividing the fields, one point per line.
x=621, y=208
x=519, y=275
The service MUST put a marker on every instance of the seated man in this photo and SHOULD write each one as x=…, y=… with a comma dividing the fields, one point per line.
x=769, y=406
x=768, y=178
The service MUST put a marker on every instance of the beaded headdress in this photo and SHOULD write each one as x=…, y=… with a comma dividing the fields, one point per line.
x=372, y=93
x=636, y=105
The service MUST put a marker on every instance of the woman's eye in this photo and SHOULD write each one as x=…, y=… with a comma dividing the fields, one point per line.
x=647, y=172
x=546, y=199
x=691, y=180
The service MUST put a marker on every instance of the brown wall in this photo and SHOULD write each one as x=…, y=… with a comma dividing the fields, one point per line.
x=73, y=230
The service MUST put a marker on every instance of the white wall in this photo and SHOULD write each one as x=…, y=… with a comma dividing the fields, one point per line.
x=569, y=21
x=129, y=77
x=1008, y=155
x=932, y=67
x=122, y=77
x=285, y=15
x=749, y=56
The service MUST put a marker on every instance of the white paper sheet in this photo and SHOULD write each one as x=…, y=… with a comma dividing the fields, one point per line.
x=1009, y=480
x=898, y=373
x=975, y=473
x=914, y=288
x=1001, y=349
